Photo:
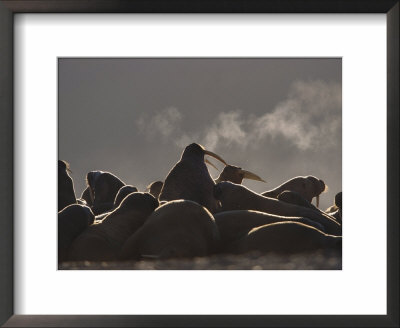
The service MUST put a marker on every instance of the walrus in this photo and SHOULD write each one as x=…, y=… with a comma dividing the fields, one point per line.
x=154, y=188
x=103, y=187
x=72, y=221
x=307, y=186
x=122, y=193
x=293, y=197
x=66, y=192
x=86, y=196
x=236, y=174
x=237, y=197
x=189, y=179
x=338, y=200
x=180, y=228
x=287, y=238
x=232, y=225
x=336, y=209
x=103, y=240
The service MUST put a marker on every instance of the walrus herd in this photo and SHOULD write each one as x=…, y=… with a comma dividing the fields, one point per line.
x=189, y=214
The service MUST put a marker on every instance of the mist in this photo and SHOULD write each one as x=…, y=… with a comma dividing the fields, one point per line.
x=307, y=118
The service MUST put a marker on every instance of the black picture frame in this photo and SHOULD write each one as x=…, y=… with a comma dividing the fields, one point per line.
x=10, y=7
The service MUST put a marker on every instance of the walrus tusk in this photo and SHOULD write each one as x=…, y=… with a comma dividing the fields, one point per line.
x=211, y=164
x=317, y=200
x=251, y=176
x=210, y=153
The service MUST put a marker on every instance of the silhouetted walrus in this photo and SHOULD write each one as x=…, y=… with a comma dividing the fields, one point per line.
x=233, y=225
x=72, y=221
x=236, y=174
x=287, y=237
x=336, y=209
x=66, y=192
x=307, y=186
x=122, y=193
x=86, y=196
x=338, y=200
x=189, y=179
x=103, y=240
x=154, y=188
x=103, y=187
x=293, y=197
x=178, y=228
x=238, y=197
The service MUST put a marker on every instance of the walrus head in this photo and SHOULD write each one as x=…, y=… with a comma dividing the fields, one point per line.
x=103, y=186
x=77, y=215
x=154, y=188
x=130, y=214
x=230, y=193
x=236, y=174
x=319, y=187
x=122, y=193
x=195, y=150
x=293, y=197
x=141, y=201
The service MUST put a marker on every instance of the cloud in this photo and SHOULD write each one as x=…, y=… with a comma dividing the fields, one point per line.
x=163, y=123
x=228, y=128
x=309, y=118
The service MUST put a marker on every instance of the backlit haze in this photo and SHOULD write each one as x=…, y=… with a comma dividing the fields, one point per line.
x=278, y=118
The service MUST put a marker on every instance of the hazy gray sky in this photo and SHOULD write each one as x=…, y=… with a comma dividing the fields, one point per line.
x=279, y=118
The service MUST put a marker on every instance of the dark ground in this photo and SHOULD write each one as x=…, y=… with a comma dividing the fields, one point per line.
x=320, y=260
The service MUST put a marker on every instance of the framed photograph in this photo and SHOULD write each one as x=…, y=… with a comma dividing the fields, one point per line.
x=127, y=86
x=260, y=115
